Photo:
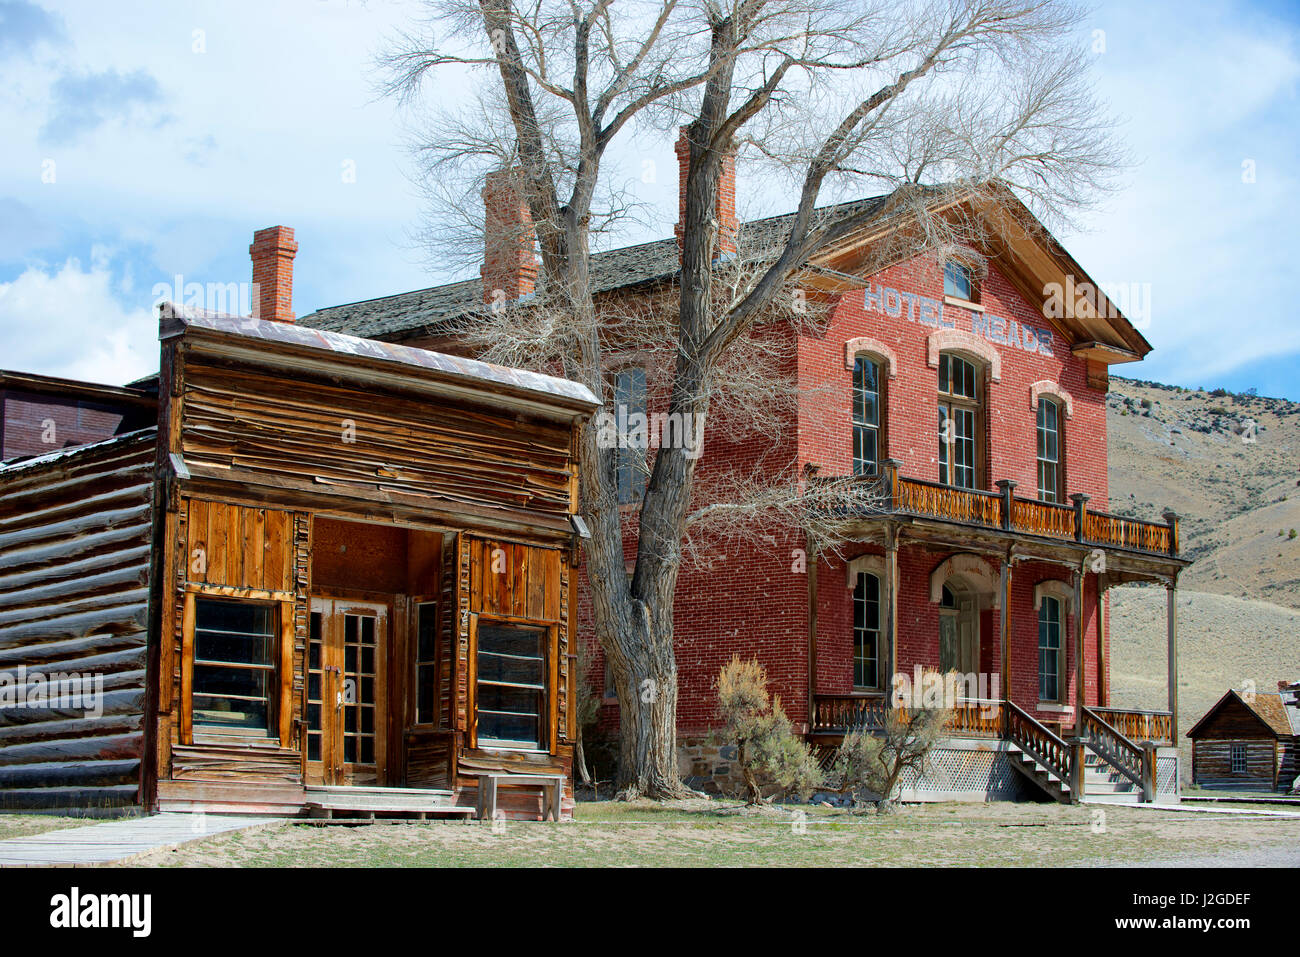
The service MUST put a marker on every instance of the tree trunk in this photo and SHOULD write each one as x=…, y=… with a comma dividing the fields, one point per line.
x=647, y=697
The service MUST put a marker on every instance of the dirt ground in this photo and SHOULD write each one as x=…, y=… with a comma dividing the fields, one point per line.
x=721, y=834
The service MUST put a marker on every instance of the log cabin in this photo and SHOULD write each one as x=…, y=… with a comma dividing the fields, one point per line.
x=297, y=572
x=963, y=397
x=1248, y=741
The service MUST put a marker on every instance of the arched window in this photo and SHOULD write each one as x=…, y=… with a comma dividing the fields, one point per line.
x=1050, y=659
x=1051, y=477
x=866, y=415
x=960, y=421
x=866, y=632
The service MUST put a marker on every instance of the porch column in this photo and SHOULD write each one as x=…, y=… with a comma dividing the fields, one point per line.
x=1103, y=678
x=890, y=657
x=810, y=556
x=1079, y=672
x=1006, y=627
x=1171, y=618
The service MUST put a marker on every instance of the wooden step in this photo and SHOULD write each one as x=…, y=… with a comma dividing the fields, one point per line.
x=424, y=800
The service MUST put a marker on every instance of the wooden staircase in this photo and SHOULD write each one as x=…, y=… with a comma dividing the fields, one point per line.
x=1099, y=765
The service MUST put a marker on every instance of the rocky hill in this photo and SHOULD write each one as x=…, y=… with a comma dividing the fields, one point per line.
x=1229, y=465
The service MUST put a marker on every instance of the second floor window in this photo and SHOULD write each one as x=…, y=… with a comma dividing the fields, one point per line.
x=959, y=421
x=629, y=400
x=866, y=416
x=1050, y=478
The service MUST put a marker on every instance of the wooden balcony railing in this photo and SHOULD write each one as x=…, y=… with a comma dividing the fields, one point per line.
x=1139, y=726
x=890, y=493
x=841, y=714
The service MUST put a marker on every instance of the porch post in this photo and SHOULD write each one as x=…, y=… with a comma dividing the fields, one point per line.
x=1171, y=618
x=1079, y=673
x=890, y=657
x=1103, y=678
x=1006, y=626
x=811, y=558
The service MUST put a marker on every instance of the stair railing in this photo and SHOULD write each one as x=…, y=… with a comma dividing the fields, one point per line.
x=1048, y=749
x=1137, y=763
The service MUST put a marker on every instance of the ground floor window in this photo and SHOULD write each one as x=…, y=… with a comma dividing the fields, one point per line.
x=511, y=688
x=1049, y=649
x=866, y=631
x=1238, y=759
x=234, y=665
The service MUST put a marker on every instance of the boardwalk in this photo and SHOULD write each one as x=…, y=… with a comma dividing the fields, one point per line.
x=112, y=841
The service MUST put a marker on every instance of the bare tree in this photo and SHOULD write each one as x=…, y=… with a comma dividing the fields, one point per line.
x=945, y=109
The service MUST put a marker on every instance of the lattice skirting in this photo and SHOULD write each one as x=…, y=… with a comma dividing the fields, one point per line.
x=965, y=774
x=1166, y=774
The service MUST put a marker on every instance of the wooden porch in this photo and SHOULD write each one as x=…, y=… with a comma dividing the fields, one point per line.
x=1110, y=752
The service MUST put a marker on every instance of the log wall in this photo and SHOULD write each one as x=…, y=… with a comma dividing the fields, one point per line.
x=75, y=539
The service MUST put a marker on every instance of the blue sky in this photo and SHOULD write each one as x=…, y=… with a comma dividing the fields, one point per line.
x=145, y=141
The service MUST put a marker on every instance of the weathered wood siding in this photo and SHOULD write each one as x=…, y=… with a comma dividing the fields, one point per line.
x=75, y=539
x=344, y=438
x=241, y=551
x=1212, y=763
x=512, y=580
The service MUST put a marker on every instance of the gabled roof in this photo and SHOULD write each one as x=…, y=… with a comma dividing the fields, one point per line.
x=266, y=341
x=1030, y=256
x=1277, y=717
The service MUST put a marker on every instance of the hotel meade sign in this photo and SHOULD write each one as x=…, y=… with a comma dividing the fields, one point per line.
x=931, y=312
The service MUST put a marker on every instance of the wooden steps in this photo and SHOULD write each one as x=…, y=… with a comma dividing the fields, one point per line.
x=352, y=803
x=1041, y=777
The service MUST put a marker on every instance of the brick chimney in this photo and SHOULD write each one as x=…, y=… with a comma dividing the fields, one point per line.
x=724, y=210
x=273, y=250
x=509, y=264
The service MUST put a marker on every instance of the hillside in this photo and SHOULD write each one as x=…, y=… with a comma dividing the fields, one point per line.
x=1237, y=489
x=1238, y=494
x=1223, y=642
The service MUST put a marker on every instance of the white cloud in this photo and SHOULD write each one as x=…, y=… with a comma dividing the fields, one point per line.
x=67, y=322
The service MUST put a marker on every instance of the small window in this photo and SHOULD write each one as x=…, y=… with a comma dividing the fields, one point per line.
x=1049, y=649
x=234, y=665
x=959, y=281
x=1050, y=481
x=511, y=689
x=866, y=416
x=426, y=662
x=866, y=632
x=630, y=400
x=1238, y=759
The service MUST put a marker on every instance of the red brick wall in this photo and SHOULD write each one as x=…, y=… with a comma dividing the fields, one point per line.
x=751, y=603
x=911, y=401
x=75, y=422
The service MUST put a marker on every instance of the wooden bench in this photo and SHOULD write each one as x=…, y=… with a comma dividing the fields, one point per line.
x=552, y=786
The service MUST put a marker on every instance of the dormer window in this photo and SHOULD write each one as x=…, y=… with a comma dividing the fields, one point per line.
x=959, y=281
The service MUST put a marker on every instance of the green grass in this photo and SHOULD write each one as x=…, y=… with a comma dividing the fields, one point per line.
x=724, y=834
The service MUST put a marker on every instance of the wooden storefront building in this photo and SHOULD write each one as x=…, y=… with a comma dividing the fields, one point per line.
x=330, y=575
